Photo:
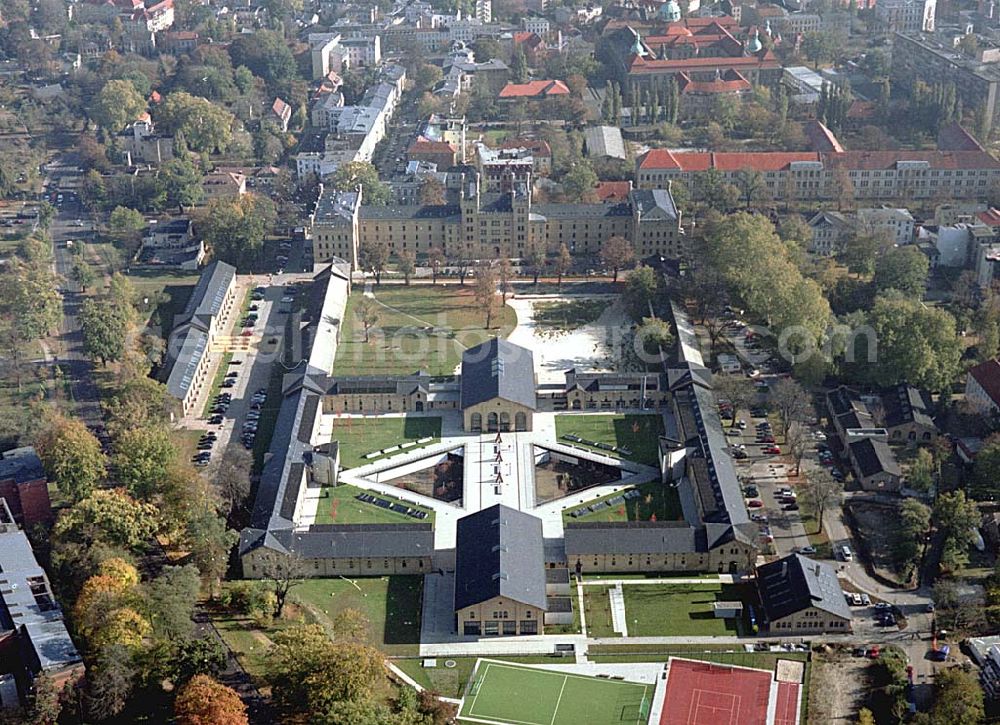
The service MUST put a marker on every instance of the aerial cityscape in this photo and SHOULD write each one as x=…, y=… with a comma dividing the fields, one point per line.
x=512, y=362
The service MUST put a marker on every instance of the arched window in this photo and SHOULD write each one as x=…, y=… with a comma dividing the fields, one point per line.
x=492, y=421
x=477, y=421
x=504, y=421
x=520, y=421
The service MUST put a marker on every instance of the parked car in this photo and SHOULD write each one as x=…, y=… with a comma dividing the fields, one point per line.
x=807, y=550
x=755, y=503
x=771, y=451
x=791, y=506
x=765, y=438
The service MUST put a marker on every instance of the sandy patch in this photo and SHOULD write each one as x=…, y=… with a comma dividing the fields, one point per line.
x=588, y=347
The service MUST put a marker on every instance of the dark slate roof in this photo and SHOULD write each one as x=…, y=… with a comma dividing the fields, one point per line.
x=636, y=537
x=905, y=404
x=210, y=290
x=654, y=204
x=597, y=382
x=498, y=369
x=379, y=384
x=796, y=583
x=412, y=211
x=499, y=552
x=21, y=465
x=842, y=401
x=274, y=477
x=190, y=348
x=359, y=540
x=579, y=211
x=874, y=456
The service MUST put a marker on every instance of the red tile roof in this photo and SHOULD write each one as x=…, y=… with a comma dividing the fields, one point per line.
x=990, y=217
x=426, y=146
x=639, y=66
x=537, y=146
x=821, y=138
x=987, y=374
x=778, y=160
x=534, y=89
x=730, y=82
x=610, y=191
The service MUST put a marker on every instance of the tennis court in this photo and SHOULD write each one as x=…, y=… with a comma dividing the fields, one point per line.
x=501, y=693
x=703, y=693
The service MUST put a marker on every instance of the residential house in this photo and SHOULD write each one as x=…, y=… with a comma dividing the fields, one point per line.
x=224, y=185
x=982, y=387
x=281, y=114
x=440, y=153
x=874, y=465
x=894, y=225
x=801, y=596
x=699, y=96
x=906, y=414
x=539, y=90
x=830, y=229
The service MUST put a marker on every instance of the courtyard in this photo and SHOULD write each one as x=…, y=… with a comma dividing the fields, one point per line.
x=656, y=502
x=360, y=436
x=420, y=327
x=340, y=505
x=638, y=434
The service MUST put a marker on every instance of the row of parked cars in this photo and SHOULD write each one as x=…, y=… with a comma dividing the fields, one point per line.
x=204, y=455
x=253, y=418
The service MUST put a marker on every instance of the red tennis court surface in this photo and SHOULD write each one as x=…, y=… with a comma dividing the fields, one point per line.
x=701, y=693
x=787, y=710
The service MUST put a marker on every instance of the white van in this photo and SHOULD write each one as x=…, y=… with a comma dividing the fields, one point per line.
x=845, y=552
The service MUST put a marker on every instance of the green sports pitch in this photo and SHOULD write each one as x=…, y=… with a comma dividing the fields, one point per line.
x=501, y=693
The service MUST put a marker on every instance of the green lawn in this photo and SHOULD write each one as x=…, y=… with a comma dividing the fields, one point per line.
x=639, y=433
x=568, y=314
x=658, y=499
x=220, y=375
x=391, y=604
x=512, y=693
x=167, y=293
x=361, y=436
x=337, y=505
x=268, y=416
x=451, y=681
x=424, y=327
x=597, y=607
x=674, y=610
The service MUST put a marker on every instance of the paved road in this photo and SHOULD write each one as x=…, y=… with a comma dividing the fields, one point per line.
x=68, y=351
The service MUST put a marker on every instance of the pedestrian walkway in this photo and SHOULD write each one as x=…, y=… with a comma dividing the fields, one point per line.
x=618, y=621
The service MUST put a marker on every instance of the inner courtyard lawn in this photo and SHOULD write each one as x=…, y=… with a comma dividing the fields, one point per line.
x=359, y=436
x=674, y=610
x=391, y=604
x=658, y=502
x=639, y=433
x=338, y=505
x=420, y=327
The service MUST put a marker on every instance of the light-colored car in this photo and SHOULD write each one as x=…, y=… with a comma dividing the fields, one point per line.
x=808, y=550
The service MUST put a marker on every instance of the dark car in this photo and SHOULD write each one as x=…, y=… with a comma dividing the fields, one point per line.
x=791, y=507
x=215, y=419
x=235, y=362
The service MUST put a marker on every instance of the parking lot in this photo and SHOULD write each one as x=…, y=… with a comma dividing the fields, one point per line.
x=255, y=344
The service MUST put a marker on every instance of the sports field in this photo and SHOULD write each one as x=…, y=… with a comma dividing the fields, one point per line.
x=501, y=693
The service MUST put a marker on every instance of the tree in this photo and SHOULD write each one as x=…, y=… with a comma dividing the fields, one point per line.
x=957, y=519
x=578, y=183
x=232, y=478
x=792, y=402
x=374, y=256
x=141, y=459
x=486, y=49
x=72, y=457
x=654, y=335
x=83, y=274
x=958, y=698
x=865, y=717
x=138, y=402
x=108, y=515
x=519, y=66
x=435, y=258
x=309, y=673
x=124, y=224
x=266, y=54
x=904, y=269
x=104, y=332
x=431, y=192
x=751, y=185
x=284, y=572
x=351, y=625
x=205, y=701
x=914, y=523
x=234, y=229
x=641, y=287
x=181, y=181
x=921, y=474
x=536, y=261
x=860, y=251
x=486, y=292
x=562, y=262
x=407, y=264
x=117, y=104
x=736, y=390
x=617, y=253
x=349, y=176
x=505, y=275
x=30, y=307
x=821, y=491
x=206, y=127
x=797, y=443
x=111, y=681
x=172, y=597
x=209, y=541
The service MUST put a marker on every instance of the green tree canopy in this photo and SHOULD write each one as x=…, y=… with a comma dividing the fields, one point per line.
x=117, y=104
x=205, y=126
x=235, y=228
x=72, y=457
x=110, y=516
x=181, y=181
x=266, y=54
x=904, y=269
x=641, y=286
x=141, y=459
x=349, y=176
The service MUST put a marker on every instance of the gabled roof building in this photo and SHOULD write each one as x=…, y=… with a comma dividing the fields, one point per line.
x=800, y=595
